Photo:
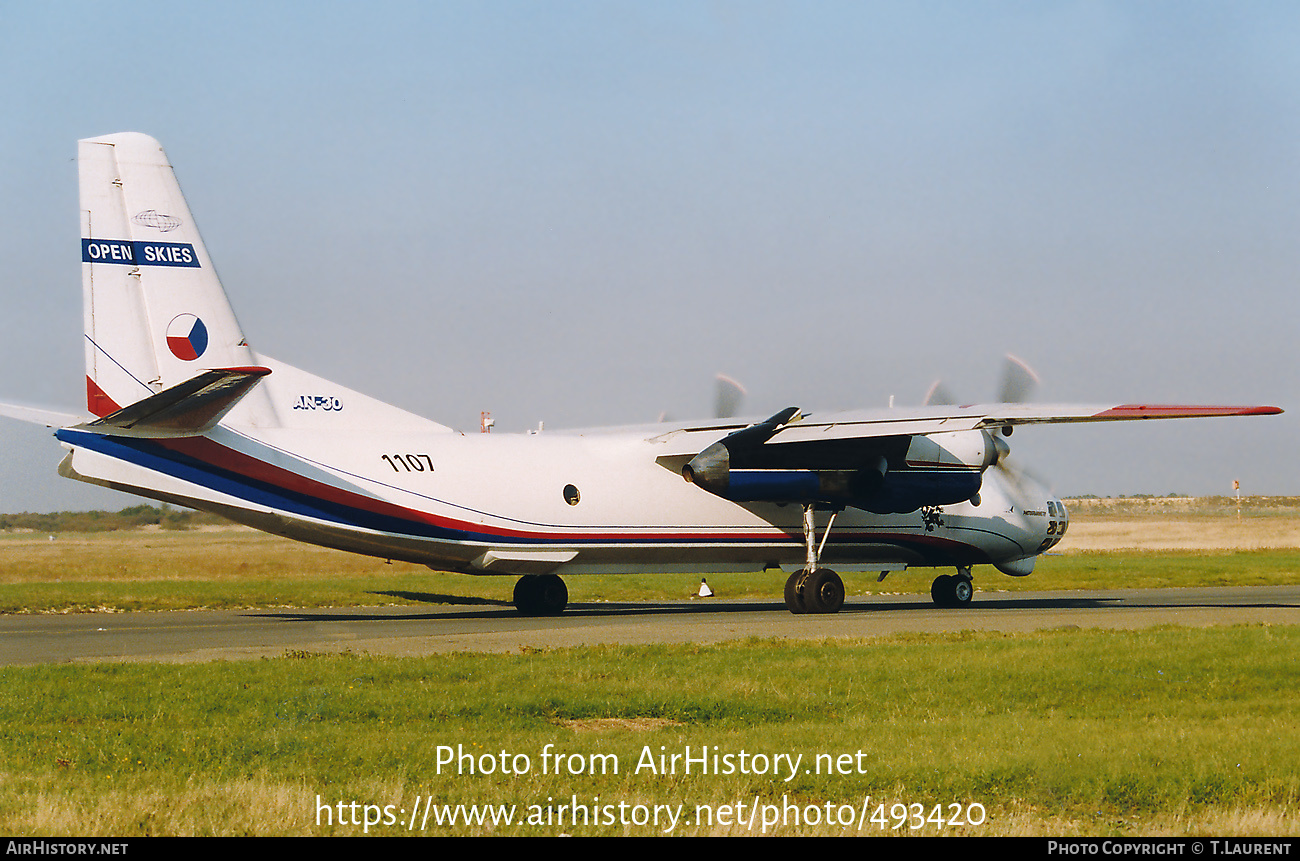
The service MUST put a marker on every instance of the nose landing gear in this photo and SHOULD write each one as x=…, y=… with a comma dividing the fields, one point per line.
x=541, y=595
x=953, y=590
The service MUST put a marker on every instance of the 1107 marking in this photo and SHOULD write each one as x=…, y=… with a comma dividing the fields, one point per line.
x=409, y=462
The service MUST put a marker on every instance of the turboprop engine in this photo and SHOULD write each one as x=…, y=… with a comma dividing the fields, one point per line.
x=886, y=475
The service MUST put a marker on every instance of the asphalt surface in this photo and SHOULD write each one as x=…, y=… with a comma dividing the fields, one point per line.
x=486, y=626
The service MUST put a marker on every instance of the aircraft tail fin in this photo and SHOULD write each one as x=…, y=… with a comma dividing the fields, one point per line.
x=158, y=323
x=155, y=312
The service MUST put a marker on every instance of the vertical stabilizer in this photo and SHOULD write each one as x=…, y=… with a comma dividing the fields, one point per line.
x=155, y=312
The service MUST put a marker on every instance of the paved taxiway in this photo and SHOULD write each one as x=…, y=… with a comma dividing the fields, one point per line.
x=487, y=626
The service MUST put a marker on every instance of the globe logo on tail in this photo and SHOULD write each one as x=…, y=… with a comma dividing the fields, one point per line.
x=187, y=337
x=154, y=218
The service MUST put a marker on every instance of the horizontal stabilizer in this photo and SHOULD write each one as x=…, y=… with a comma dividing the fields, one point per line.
x=39, y=416
x=191, y=407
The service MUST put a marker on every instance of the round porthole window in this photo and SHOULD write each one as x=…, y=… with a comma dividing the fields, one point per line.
x=571, y=494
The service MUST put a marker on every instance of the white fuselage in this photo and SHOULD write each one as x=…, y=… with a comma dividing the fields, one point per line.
x=560, y=502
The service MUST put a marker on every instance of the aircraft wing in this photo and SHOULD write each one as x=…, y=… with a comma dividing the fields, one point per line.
x=688, y=440
x=891, y=461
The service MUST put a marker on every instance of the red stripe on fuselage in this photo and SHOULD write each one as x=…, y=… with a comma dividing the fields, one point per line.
x=214, y=454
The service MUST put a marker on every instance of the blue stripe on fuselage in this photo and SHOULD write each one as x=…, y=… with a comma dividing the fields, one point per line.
x=150, y=455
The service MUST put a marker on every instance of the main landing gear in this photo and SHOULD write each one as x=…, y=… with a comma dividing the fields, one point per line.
x=953, y=590
x=814, y=590
x=541, y=595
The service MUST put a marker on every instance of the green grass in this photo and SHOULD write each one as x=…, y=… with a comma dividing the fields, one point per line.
x=1165, y=731
x=1155, y=569
x=1093, y=733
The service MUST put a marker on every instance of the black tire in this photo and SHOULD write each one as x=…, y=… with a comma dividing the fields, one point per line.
x=962, y=591
x=527, y=595
x=552, y=595
x=941, y=591
x=823, y=592
x=794, y=593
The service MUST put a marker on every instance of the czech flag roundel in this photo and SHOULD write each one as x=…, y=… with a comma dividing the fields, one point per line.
x=187, y=337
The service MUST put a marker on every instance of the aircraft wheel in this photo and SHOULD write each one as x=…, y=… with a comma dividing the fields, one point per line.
x=942, y=592
x=552, y=595
x=794, y=593
x=541, y=595
x=527, y=595
x=823, y=592
x=962, y=591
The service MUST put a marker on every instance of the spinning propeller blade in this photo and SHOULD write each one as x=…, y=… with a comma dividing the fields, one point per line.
x=1018, y=385
x=1018, y=382
x=939, y=396
x=728, y=397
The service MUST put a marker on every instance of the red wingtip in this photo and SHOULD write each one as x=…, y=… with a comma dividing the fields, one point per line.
x=1173, y=411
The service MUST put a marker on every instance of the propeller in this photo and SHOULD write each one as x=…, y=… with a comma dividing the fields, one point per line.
x=939, y=396
x=1018, y=385
x=1018, y=476
x=728, y=396
x=1018, y=381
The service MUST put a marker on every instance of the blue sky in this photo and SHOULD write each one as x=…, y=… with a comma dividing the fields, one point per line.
x=580, y=212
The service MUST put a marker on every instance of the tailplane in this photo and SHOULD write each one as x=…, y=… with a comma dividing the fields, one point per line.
x=186, y=409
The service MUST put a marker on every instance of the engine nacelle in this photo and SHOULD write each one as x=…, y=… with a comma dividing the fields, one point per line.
x=711, y=470
x=940, y=469
x=973, y=449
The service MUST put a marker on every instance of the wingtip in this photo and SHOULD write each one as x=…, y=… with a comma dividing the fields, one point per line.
x=1169, y=411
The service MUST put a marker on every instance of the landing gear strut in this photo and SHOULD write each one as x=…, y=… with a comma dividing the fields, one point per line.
x=953, y=590
x=814, y=590
x=541, y=595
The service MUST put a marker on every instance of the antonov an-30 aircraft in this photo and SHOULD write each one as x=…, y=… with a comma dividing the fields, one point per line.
x=187, y=412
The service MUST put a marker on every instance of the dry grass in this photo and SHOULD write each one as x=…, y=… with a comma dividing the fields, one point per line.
x=1183, y=523
x=227, y=555
x=616, y=724
x=266, y=806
